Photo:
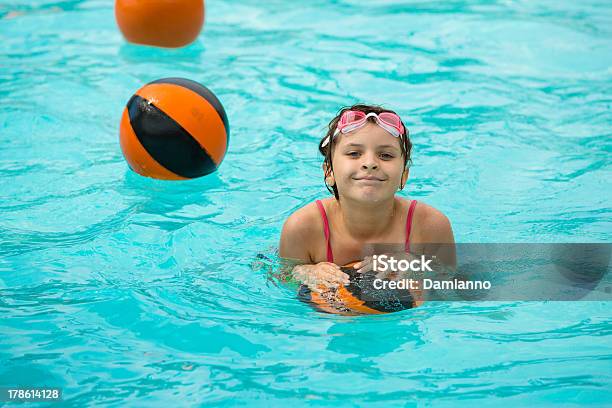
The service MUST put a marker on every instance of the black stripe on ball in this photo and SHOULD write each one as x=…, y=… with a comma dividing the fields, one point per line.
x=205, y=93
x=166, y=141
x=384, y=300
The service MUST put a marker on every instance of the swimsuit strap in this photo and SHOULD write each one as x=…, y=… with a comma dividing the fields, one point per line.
x=330, y=255
x=409, y=223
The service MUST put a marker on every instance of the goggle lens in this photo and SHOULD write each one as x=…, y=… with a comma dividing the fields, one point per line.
x=352, y=120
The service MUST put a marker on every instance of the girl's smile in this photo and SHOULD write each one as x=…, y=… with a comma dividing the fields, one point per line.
x=369, y=181
x=369, y=178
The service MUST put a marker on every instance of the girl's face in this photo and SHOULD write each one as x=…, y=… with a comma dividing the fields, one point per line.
x=367, y=164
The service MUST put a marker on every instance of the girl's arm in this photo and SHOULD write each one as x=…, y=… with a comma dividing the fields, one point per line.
x=296, y=238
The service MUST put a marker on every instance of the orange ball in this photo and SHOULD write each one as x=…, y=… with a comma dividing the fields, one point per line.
x=174, y=129
x=161, y=23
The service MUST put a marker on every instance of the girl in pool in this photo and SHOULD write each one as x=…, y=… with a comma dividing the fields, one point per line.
x=367, y=154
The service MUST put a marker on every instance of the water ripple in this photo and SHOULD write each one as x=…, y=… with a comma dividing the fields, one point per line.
x=123, y=289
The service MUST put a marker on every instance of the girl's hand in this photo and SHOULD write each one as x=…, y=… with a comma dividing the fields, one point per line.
x=366, y=265
x=321, y=276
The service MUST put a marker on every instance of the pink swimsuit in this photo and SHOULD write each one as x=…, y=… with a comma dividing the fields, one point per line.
x=330, y=255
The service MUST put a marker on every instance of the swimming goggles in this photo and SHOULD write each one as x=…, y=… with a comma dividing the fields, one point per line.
x=353, y=120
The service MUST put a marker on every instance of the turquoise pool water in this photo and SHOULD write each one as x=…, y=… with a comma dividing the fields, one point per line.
x=129, y=291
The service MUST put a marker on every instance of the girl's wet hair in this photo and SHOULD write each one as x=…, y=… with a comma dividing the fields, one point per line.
x=327, y=151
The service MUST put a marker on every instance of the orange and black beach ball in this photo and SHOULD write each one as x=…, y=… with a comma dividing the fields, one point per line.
x=174, y=129
x=359, y=297
x=161, y=23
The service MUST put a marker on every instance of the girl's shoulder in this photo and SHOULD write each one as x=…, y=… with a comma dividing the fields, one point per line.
x=305, y=221
x=302, y=230
x=430, y=223
x=425, y=211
